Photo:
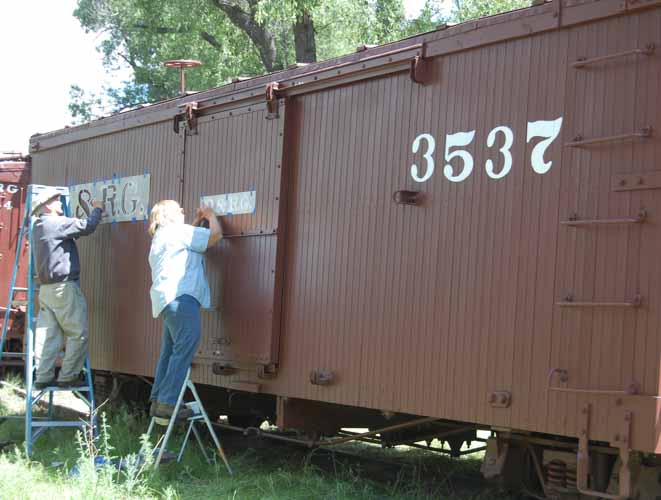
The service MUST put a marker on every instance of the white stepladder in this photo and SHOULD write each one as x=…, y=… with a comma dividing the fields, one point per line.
x=199, y=414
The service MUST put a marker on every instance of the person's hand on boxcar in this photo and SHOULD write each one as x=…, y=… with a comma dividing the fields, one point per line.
x=98, y=204
x=199, y=220
x=209, y=215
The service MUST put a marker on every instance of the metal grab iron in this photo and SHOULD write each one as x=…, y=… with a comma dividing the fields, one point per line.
x=569, y=301
x=579, y=141
x=632, y=389
x=574, y=220
x=648, y=50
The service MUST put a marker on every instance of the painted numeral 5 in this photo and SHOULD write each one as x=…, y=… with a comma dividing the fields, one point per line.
x=455, y=140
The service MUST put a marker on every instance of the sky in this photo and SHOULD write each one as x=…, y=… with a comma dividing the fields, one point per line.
x=44, y=51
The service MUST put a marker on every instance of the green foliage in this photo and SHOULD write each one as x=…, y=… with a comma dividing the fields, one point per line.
x=144, y=33
x=238, y=38
x=83, y=106
x=63, y=467
x=464, y=10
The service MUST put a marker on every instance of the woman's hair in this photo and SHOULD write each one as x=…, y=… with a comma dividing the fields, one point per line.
x=164, y=212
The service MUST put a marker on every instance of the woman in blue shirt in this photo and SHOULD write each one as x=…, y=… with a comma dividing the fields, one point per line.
x=179, y=288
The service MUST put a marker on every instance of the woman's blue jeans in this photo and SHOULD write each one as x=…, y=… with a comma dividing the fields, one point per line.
x=181, y=335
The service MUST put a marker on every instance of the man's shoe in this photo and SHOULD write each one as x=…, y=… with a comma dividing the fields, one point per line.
x=164, y=410
x=71, y=384
x=42, y=385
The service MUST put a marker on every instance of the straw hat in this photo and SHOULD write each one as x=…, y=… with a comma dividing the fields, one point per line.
x=42, y=198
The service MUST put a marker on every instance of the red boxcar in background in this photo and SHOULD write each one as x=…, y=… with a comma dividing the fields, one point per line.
x=14, y=177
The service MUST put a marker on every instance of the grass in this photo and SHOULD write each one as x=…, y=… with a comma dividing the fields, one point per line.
x=262, y=469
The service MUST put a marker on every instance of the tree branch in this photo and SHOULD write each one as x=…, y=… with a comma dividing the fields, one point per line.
x=164, y=30
x=159, y=29
x=128, y=60
x=212, y=40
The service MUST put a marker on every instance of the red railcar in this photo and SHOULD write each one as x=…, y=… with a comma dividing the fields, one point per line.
x=14, y=177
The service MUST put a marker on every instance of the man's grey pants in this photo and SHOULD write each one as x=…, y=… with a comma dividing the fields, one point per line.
x=62, y=319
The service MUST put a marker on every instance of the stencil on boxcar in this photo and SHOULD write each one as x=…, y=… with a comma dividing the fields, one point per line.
x=231, y=203
x=124, y=199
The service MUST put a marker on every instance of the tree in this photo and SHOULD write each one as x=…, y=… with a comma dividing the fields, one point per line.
x=231, y=37
x=239, y=38
x=464, y=10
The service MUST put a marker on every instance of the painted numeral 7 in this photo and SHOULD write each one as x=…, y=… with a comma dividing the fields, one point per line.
x=549, y=129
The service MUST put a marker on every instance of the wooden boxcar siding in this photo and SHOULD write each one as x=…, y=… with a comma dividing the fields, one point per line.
x=115, y=271
x=429, y=309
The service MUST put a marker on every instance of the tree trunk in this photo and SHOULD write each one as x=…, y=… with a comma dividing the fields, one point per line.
x=304, y=39
x=260, y=36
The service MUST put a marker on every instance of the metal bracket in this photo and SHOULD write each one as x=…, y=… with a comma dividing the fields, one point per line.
x=267, y=372
x=622, y=441
x=225, y=370
x=500, y=399
x=418, y=71
x=557, y=12
x=403, y=197
x=321, y=377
x=272, y=100
x=188, y=113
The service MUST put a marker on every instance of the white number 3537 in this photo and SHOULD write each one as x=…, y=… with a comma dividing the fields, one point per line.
x=462, y=167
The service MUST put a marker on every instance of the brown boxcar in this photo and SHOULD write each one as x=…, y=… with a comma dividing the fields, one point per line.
x=14, y=177
x=462, y=225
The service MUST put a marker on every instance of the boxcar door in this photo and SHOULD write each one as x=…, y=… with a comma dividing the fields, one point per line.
x=233, y=161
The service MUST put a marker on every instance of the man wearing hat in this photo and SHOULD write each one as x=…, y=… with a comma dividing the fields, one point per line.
x=62, y=307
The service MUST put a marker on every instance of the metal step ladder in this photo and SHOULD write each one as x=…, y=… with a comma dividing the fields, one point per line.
x=36, y=426
x=199, y=415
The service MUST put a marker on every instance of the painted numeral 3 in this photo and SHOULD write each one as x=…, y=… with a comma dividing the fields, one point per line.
x=505, y=151
x=431, y=147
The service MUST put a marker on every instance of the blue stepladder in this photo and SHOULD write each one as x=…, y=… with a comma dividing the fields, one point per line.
x=36, y=426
